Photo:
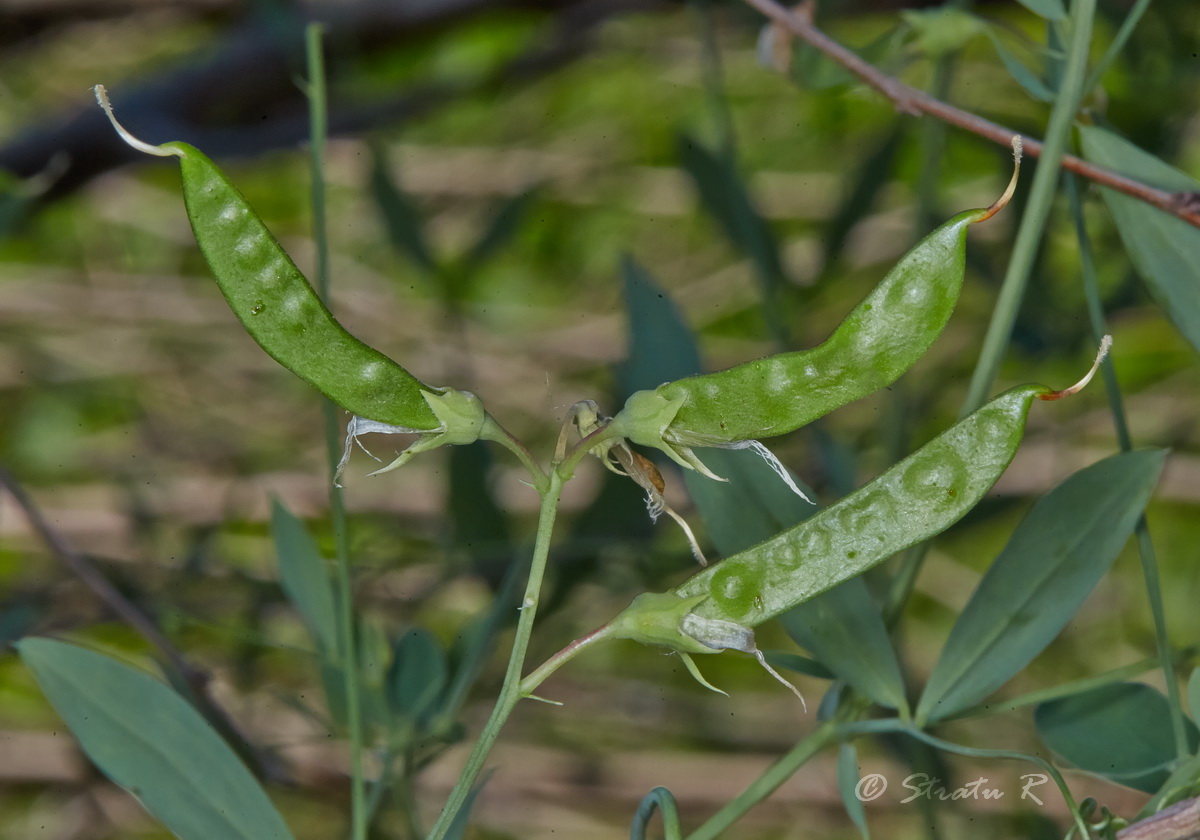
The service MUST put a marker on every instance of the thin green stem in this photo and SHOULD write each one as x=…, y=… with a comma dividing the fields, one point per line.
x=493, y=431
x=848, y=731
x=1145, y=544
x=538, y=675
x=1091, y=294
x=768, y=782
x=1037, y=210
x=583, y=447
x=510, y=692
x=318, y=117
x=659, y=799
x=714, y=79
x=380, y=786
x=1118, y=43
x=1149, y=560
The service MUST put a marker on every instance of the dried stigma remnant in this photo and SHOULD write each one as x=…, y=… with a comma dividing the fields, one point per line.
x=282, y=312
x=877, y=342
x=619, y=458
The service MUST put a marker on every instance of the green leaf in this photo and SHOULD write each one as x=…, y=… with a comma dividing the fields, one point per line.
x=1165, y=250
x=726, y=198
x=418, y=675
x=502, y=227
x=1041, y=577
x=479, y=526
x=1193, y=694
x=1023, y=76
x=1120, y=731
x=462, y=819
x=848, y=778
x=799, y=664
x=661, y=347
x=400, y=218
x=1049, y=9
x=747, y=508
x=870, y=178
x=148, y=740
x=305, y=579
x=942, y=31
x=844, y=630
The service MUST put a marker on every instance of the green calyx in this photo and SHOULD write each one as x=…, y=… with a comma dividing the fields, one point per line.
x=667, y=620
x=460, y=415
x=657, y=618
x=645, y=420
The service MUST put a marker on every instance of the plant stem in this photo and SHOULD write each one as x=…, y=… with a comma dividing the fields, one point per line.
x=1146, y=553
x=848, y=731
x=317, y=110
x=493, y=431
x=510, y=692
x=768, y=782
x=1041, y=196
x=1056, y=692
x=538, y=675
x=658, y=799
x=1118, y=44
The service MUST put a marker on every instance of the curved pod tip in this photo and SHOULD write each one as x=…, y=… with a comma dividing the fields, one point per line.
x=1105, y=346
x=140, y=145
x=1001, y=202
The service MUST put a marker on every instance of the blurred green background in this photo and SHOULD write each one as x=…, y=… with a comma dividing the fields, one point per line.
x=153, y=433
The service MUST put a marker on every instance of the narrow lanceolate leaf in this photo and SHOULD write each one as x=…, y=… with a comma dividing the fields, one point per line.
x=1120, y=731
x=401, y=219
x=1165, y=250
x=148, y=740
x=1193, y=694
x=726, y=198
x=1049, y=9
x=661, y=347
x=1051, y=563
x=501, y=229
x=305, y=579
x=1022, y=75
x=844, y=629
x=848, y=778
x=417, y=676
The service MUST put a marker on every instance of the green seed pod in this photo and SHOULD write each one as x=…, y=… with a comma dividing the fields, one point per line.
x=877, y=342
x=282, y=312
x=917, y=498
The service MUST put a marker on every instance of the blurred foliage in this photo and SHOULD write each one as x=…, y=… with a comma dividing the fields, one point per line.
x=154, y=433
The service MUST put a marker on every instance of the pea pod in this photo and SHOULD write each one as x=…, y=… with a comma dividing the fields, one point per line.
x=286, y=317
x=878, y=341
x=917, y=498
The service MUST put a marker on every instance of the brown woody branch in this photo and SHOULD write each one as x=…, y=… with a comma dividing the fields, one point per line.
x=1179, y=822
x=910, y=100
